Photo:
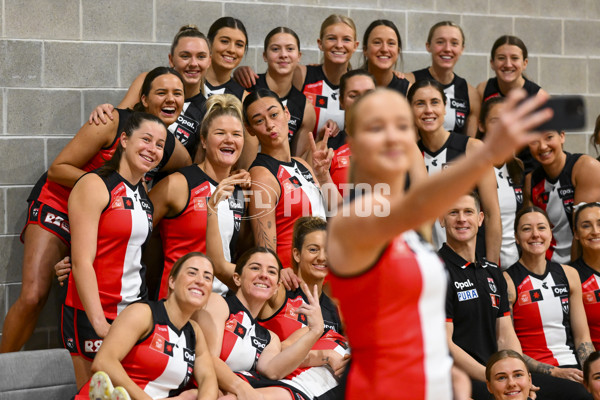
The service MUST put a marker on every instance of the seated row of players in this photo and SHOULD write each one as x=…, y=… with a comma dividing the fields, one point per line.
x=263, y=340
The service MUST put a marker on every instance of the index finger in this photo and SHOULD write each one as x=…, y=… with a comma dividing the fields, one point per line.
x=311, y=140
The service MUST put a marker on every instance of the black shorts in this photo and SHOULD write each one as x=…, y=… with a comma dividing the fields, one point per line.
x=258, y=381
x=78, y=334
x=48, y=218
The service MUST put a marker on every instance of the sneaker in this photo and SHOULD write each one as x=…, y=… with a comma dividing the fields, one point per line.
x=120, y=394
x=101, y=387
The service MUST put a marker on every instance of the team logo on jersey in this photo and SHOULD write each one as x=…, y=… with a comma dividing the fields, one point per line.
x=235, y=203
x=492, y=284
x=343, y=161
x=291, y=184
x=161, y=345
x=565, y=304
x=543, y=198
x=182, y=135
x=458, y=104
x=321, y=101
x=568, y=205
x=146, y=206
x=519, y=195
x=70, y=343
x=495, y=300
x=199, y=203
x=591, y=297
x=560, y=290
x=35, y=212
x=460, y=119
x=235, y=327
x=291, y=313
x=122, y=203
x=237, y=221
x=530, y=296
x=466, y=295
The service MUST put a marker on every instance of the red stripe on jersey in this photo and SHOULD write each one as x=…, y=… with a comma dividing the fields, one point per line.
x=295, y=201
x=529, y=325
x=591, y=303
x=340, y=166
x=382, y=310
x=184, y=233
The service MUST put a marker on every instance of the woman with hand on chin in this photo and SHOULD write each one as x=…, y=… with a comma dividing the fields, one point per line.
x=135, y=356
x=446, y=43
x=180, y=206
x=111, y=219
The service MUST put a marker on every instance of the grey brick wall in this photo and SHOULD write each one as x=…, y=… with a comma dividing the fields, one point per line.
x=60, y=58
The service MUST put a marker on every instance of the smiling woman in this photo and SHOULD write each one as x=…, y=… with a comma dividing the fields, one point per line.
x=46, y=234
x=129, y=357
x=507, y=376
x=111, y=219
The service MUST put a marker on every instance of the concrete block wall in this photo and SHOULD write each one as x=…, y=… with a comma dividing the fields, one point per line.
x=60, y=58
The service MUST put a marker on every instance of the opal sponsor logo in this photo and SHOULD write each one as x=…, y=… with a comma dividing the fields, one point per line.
x=462, y=285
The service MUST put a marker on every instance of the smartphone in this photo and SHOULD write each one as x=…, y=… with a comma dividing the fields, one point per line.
x=569, y=114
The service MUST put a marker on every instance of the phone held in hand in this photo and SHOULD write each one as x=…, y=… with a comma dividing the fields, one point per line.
x=569, y=113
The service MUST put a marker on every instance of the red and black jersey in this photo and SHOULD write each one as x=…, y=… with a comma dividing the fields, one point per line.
x=590, y=285
x=394, y=315
x=186, y=231
x=286, y=320
x=295, y=102
x=299, y=196
x=56, y=195
x=229, y=87
x=187, y=127
x=541, y=314
x=556, y=197
x=492, y=89
x=124, y=227
x=324, y=96
x=162, y=362
x=243, y=339
x=458, y=105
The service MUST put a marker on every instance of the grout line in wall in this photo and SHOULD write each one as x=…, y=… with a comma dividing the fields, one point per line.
x=119, y=65
x=80, y=19
x=43, y=64
x=4, y=111
x=562, y=37
x=3, y=18
x=5, y=194
x=154, y=20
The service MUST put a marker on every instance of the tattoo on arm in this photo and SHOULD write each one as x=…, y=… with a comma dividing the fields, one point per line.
x=263, y=237
x=536, y=366
x=584, y=350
